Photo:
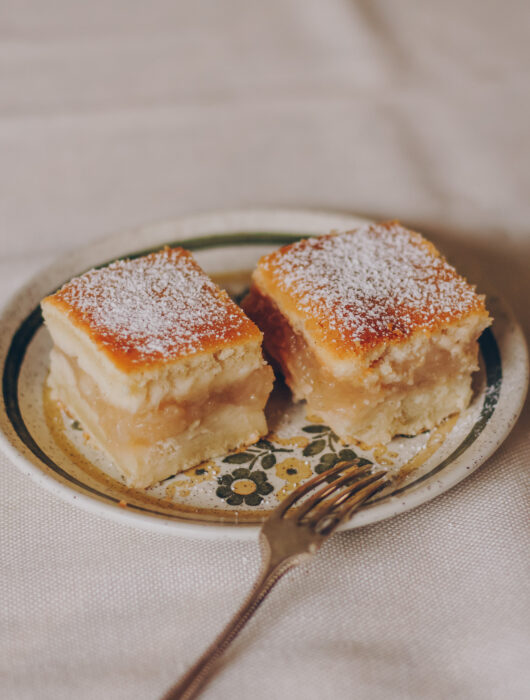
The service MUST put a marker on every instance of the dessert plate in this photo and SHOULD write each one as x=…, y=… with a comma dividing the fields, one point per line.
x=229, y=496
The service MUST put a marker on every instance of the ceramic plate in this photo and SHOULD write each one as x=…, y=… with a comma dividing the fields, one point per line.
x=228, y=496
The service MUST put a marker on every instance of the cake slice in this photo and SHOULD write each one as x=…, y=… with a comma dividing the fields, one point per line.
x=372, y=327
x=160, y=366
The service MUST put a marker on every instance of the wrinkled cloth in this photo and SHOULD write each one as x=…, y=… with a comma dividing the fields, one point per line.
x=117, y=113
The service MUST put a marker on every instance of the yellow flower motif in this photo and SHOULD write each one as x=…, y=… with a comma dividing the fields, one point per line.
x=244, y=487
x=293, y=471
x=381, y=454
x=203, y=472
x=296, y=441
x=314, y=419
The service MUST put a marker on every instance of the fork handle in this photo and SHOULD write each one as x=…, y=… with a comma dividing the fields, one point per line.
x=193, y=680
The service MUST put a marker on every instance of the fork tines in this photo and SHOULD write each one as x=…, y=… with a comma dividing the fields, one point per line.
x=324, y=509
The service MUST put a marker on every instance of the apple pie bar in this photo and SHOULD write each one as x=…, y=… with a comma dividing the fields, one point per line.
x=372, y=327
x=160, y=366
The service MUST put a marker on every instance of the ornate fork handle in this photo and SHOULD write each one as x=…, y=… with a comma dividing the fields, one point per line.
x=289, y=536
x=193, y=680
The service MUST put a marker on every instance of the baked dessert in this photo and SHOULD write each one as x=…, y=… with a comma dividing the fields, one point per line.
x=372, y=327
x=160, y=366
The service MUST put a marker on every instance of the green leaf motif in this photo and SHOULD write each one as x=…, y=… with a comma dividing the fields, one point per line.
x=235, y=500
x=268, y=461
x=257, y=477
x=265, y=488
x=241, y=473
x=320, y=468
x=264, y=444
x=314, y=448
x=361, y=461
x=315, y=428
x=347, y=454
x=253, y=499
x=238, y=458
x=330, y=458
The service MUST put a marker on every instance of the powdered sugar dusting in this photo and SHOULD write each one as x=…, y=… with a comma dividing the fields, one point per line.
x=158, y=307
x=375, y=283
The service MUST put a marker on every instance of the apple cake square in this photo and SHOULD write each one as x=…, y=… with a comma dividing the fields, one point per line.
x=160, y=366
x=373, y=328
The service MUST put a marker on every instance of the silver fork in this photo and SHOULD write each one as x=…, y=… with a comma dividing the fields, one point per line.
x=289, y=536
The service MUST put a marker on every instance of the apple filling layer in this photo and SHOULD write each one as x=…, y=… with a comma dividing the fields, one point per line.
x=132, y=438
x=171, y=418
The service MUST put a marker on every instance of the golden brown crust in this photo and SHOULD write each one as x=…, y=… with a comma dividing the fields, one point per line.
x=353, y=291
x=154, y=310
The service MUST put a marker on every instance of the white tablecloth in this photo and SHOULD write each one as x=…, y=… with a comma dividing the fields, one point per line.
x=118, y=113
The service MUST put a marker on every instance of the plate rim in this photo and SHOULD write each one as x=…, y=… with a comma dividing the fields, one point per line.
x=283, y=219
